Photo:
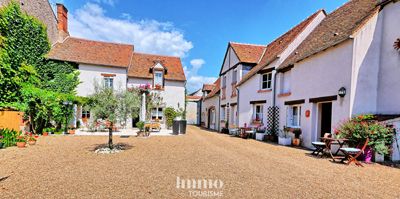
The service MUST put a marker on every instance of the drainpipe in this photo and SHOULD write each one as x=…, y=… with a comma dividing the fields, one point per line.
x=219, y=113
x=237, y=107
x=274, y=74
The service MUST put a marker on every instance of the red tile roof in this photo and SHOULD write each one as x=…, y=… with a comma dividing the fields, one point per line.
x=277, y=46
x=217, y=87
x=141, y=64
x=247, y=53
x=92, y=52
x=208, y=87
x=337, y=27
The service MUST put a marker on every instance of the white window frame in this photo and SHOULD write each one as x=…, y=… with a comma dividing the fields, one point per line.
x=158, y=114
x=260, y=114
x=155, y=77
x=269, y=80
x=108, y=82
x=291, y=120
x=234, y=76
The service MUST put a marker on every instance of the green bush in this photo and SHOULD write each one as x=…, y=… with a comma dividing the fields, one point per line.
x=140, y=125
x=170, y=114
x=361, y=127
x=9, y=137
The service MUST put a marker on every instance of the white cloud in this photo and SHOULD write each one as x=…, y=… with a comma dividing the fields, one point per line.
x=195, y=81
x=148, y=36
x=109, y=2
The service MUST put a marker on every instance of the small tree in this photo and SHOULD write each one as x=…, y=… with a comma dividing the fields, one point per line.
x=112, y=106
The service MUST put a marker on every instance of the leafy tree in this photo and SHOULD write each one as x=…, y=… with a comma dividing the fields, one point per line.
x=113, y=106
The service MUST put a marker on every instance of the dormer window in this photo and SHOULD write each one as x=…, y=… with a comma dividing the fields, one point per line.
x=158, y=79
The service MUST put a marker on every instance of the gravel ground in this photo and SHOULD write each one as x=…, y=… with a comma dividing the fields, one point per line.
x=67, y=167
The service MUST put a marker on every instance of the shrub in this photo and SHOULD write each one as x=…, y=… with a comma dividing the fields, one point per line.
x=170, y=114
x=140, y=125
x=361, y=127
x=9, y=137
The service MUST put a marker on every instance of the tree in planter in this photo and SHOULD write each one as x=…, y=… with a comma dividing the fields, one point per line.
x=105, y=103
x=170, y=115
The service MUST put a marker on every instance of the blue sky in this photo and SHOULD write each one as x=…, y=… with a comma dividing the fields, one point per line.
x=197, y=31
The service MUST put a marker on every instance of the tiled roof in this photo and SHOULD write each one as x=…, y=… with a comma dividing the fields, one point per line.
x=247, y=53
x=141, y=64
x=337, y=27
x=217, y=87
x=92, y=52
x=277, y=46
x=208, y=87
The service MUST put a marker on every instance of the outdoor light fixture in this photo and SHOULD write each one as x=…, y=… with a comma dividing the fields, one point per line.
x=342, y=92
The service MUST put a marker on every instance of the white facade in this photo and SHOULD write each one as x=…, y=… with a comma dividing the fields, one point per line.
x=91, y=74
x=211, y=113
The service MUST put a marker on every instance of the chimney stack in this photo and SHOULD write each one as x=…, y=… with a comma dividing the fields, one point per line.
x=62, y=17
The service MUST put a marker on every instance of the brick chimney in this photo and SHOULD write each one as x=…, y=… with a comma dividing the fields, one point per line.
x=62, y=24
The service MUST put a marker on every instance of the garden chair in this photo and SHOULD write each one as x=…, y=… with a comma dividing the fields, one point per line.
x=351, y=154
x=233, y=130
x=321, y=145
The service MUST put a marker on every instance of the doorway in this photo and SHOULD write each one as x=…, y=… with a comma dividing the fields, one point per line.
x=211, y=116
x=326, y=118
x=134, y=121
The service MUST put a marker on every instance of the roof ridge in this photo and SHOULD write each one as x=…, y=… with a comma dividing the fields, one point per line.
x=295, y=26
x=140, y=53
x=247, y=44
x=107, y=42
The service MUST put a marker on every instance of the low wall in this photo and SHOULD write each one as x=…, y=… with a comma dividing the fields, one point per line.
x=11, y=120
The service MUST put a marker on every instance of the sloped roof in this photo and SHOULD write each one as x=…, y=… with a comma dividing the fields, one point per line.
x=247, y=53
x=277, y=46
x=337, y=27
x=208, y=87
x=92, y=52
x=215, y=90
x=141, y=64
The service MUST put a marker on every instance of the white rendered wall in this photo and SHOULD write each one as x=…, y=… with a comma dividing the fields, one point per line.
x=89, y=74
x=207, y=104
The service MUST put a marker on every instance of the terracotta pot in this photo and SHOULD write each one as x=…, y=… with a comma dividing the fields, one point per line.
x=72, y=132
x=36, y=136
x=45, y=133
x=296, y=142
x=21, y=144
x=33, y=142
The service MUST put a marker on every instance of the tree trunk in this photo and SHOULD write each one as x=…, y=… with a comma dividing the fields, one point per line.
x=110, y=134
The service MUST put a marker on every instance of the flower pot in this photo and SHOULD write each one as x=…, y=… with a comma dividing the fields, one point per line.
x=21, y=144
x=45, y=133
x=296, y=141
x=260, y=136
x=285, y=141
x=379, y=157
x=36, y=136
x=72, y=132
x=32, y=142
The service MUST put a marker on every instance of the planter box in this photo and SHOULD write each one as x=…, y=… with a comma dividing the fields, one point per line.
x=260, y=136
x=285, y=141
x=378, y=157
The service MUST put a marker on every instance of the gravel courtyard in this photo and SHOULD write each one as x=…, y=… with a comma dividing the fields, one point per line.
x=67, y=167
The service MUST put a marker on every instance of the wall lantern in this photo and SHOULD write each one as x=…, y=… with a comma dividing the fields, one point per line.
x=396, y=45
x=342, y=92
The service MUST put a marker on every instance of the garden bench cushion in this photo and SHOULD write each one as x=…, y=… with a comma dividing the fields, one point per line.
x=318, y=143
x=350, y=150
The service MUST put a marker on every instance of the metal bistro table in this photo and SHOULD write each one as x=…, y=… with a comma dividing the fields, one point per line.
x=334, y=141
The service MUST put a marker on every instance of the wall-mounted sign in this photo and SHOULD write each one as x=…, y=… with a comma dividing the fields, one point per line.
x=308, y=113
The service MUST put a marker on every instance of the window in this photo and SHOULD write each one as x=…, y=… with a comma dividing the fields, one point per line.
x=109, y=82
x=293, y=116
x=266, y=81
x=85, y=114
x=158, y=78
x=245, y=70
x=234, y=77
x=157, y=114
x=258, y=113
x=285, y=82
x=224, y=82
x=223, y=113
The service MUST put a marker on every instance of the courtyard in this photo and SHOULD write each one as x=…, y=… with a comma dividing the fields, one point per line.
x=67, y=167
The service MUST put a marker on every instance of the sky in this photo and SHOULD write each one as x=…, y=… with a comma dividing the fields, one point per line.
x=198, y=31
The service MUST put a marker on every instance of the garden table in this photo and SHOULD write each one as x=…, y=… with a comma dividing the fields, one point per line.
x=334, y=141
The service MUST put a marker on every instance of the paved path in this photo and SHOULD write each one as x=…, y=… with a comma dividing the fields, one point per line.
x=66, y=167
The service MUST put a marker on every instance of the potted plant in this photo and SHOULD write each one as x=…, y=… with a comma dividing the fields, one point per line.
x=297, y=133
x=31, y=140
x=71, y=131
x=260, y=133
x=46, y=131
x=140, y=125
x=21, y=142
x=284, y=138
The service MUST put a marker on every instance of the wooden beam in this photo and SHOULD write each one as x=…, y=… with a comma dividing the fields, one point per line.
x=258, y=102
x=293, y=102
x=323, y=99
